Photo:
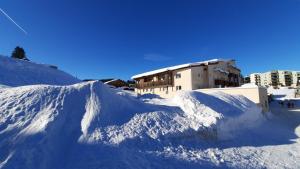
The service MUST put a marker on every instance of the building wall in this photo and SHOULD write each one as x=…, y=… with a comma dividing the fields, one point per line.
x=255, y=79
x=285, y=78
x=213, y=74
x=199, y=77
x=192, y=78
x=295, y=78
x=258, y=95
x=266, y=79
x=270, y=78
x=185, y=82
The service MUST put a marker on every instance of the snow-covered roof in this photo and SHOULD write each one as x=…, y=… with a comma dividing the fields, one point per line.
x=179, y=67
x=221, y=70
x=113, y=80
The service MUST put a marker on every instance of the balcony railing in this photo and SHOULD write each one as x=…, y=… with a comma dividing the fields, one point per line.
x=154, y=84
x=224, y=83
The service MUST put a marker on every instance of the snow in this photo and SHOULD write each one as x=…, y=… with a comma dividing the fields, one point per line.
x=113, y=80
x=249, y=85
x=221, y=70
x=15, y=72
x=89, y=125
x=282, y=93
x=179, y=67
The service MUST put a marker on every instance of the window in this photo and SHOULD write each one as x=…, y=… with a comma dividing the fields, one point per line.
x=199, y=75
x=178, y=76
x=178, y=88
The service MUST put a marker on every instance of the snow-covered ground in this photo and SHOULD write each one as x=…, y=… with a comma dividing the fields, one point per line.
x=89, y=125
x=282, y=93
x=15, y=72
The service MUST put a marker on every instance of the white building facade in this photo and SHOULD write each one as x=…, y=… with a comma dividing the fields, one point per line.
x=276, y=78
x=166, y=82
x=255, y=78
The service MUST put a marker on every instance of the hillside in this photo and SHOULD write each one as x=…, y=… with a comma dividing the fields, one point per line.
x=14, y=72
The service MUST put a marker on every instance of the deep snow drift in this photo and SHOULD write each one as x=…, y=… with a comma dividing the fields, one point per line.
x=89, y=125
x=15, y=72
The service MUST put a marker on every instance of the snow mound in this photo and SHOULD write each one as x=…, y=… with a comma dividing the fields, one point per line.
x=282, y=93
x=79, y=126
x=249, y=85
x=15, y=72
x=219, y=112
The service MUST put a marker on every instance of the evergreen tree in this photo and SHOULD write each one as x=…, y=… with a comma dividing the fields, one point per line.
x=19, y=53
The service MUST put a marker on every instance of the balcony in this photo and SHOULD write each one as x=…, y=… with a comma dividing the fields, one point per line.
x=157, y=80
x=160, y=83
x=224, y=83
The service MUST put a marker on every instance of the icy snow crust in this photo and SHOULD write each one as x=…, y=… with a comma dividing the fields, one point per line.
x=15, y=72
x=89, y=125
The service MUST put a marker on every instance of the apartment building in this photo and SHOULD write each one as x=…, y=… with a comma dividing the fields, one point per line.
x=296, y=78
x=269, y=78
x=255, y=78
x=285, y=78
x=276, y=78
x=166, y=82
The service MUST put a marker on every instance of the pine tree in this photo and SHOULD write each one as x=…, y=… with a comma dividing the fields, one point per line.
x=19, y=53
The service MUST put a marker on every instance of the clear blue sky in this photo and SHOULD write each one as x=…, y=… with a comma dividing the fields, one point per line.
x=109, y=38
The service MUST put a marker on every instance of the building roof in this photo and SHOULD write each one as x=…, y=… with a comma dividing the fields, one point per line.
x=179, y=67
x=113, y=80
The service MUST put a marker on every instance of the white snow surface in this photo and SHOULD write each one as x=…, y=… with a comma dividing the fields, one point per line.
x=15, y=72
x=89, y=125
x=282, y=93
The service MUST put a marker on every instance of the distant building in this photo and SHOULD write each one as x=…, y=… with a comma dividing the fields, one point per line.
x=296, y=78
x=116, y=83
x=269, y=78
x=276, y=78
x=246, y=79
x=111, y=82
x=216, y=73
x=285, y=78
x=255, y=79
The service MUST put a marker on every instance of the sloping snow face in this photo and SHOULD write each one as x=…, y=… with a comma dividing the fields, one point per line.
x=15, y=72
x=219, y=113
x=89, y=125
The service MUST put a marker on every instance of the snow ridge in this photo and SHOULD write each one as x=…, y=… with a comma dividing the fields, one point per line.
x=15, y=72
